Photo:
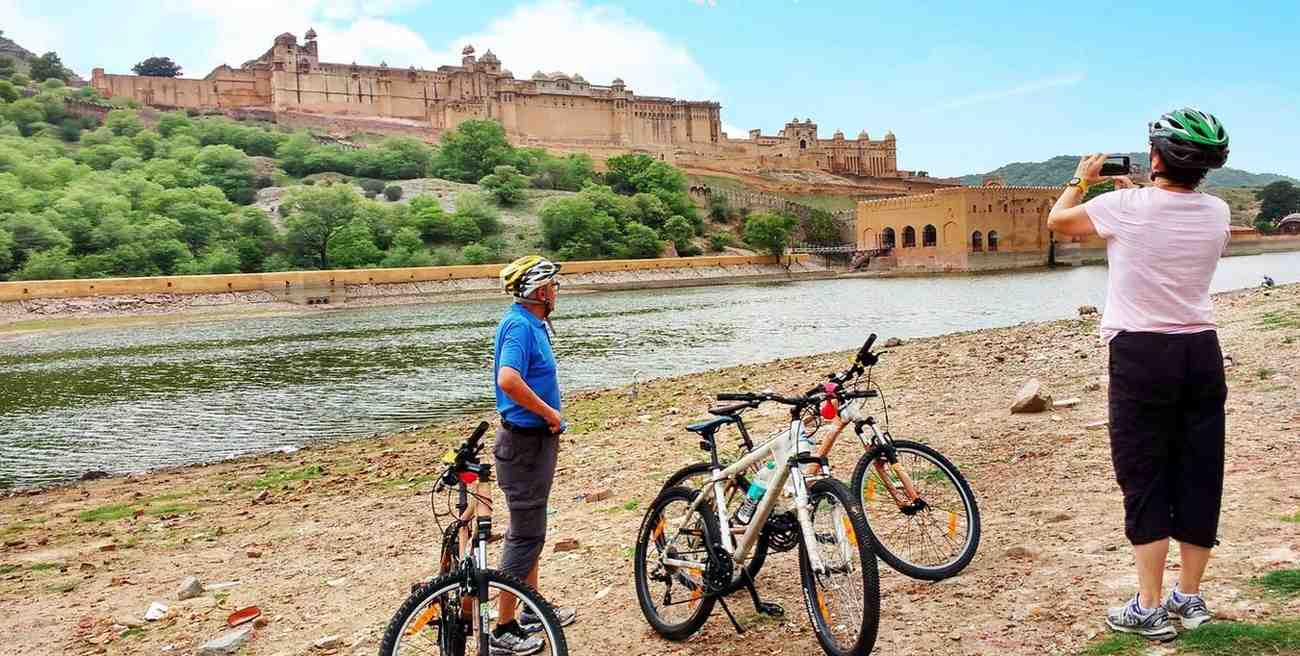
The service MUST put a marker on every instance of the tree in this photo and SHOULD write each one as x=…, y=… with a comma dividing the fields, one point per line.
x=475, y=206
x=6, y=251
x=640, y=241
x=54, y=264
x=1277, y=200
x=48, y=66
x=464, y=230
x=7, y=69
x=472, y=151
x=315, y=214
x=8, y=92
x=679, y=231
x=173, y=122
x=123, y=122
x=505, y=184
x=24, y=113
x=719, y=208
x=157, y=67
x=353, y=246
x=228, y=169
x=819, y=227
x=474, y=253
x=393, y=192
x=769, y=232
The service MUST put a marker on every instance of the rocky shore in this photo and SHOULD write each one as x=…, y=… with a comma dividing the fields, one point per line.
x=326, y=541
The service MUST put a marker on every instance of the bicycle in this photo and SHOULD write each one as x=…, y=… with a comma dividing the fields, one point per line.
x=897, y=504
x=684, y=541
x=442, y=614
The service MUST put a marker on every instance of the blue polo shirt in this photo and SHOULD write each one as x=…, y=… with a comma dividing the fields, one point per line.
x=523, y=345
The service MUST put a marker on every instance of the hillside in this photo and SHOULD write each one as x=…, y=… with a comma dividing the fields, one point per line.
x=22, y=58
x=1060, y=168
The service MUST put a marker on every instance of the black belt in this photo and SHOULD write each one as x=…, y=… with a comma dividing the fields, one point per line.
x=538, y=431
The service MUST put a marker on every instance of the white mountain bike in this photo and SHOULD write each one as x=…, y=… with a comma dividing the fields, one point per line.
x=691, y=551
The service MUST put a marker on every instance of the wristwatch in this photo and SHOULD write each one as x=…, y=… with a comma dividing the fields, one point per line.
x=1078, y=182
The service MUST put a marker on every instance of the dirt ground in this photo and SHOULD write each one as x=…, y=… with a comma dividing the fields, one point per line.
x=345, y=529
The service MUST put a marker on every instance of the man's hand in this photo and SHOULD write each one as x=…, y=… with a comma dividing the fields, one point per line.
x=1089, y=169
x=1124, y=182
x=553, y=420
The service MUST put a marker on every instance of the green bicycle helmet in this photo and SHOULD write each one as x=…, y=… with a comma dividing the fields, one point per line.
x=1190, y=138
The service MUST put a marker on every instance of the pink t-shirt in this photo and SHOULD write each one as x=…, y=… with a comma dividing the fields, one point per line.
x=1162, y=248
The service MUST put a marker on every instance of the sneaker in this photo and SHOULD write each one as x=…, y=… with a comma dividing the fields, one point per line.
x=1189, y=608
x=513, y=642
x=1153, y=624
x=532, y=623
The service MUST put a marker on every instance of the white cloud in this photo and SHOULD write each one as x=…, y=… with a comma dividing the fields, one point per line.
x=734, y=132
x=35, y=34
x=1020, y=90
x=600, y=42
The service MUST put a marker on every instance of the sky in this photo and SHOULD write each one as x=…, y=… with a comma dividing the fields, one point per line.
x=965, y=86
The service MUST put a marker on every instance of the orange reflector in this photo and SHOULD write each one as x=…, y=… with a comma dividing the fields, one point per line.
x=871, y=489
x=658, y=533
x=821, y=604
x=952, y=524
x=424, y=619
x=697, y=592
x=848, y=530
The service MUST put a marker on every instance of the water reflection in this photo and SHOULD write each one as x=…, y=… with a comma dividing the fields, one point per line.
x=127, y=399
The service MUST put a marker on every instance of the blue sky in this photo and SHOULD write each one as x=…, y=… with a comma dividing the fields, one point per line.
x=966, y=87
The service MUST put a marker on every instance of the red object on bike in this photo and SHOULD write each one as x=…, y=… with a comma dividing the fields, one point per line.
x=468, y=477
x=829, y=410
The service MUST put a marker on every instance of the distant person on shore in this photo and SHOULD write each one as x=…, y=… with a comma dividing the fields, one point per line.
x=527, y=443
x=1167, y=388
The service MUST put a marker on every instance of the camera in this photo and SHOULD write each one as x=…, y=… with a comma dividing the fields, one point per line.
x=1116, y=166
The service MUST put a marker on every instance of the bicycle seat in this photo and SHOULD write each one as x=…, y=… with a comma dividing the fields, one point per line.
x=729, y=410
x=709, y=427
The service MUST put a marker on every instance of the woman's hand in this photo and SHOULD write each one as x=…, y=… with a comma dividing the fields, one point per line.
x=1089, y=169
x=1124, y=182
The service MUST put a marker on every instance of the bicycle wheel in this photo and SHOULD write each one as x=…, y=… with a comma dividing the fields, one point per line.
x=674, y=599
x=933, y=539
x=694, y=477
x=843, y=595
x=431, y=620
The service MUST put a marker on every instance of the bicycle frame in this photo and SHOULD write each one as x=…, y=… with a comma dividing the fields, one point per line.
x=788, y=471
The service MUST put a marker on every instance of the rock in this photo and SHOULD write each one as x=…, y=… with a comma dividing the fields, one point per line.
x=1065, y=403
x=128, y=622
x=1097, y=425
x=157, y=610
x=566, y=544
x=328, y=642
x=107, y=546
x=1087, y=310
x=262, y=496
x=228, y=643
x=1030, y=398
x=892, y=342
x=94, y=475
x=189, y=589
x=1092, y=387
x=598, y=495
x=86, y=567
x=253, y=553
x=1228, y=362
x=1059, y=517
x=1021, y=552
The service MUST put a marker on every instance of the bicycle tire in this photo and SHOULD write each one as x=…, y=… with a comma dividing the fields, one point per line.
x=899, y=563
x=814, y=601
x=425, y=593
x=758, y=555
x=675, y=631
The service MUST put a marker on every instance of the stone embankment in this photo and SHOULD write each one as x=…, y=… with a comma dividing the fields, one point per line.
x=81, y=566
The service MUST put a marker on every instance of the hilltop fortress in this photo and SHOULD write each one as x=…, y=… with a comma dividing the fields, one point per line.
x=292, y=86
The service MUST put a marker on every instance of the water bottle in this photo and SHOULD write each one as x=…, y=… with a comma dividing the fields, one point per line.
x=806, y=447
x=757, y=488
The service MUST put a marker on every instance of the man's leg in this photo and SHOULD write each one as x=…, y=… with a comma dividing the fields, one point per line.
x=1151, y=571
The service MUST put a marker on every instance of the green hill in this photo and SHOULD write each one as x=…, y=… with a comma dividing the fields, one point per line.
x=1060, y=168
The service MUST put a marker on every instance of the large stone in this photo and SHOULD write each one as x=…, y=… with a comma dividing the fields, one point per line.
x=329, y=642
x=566, y=544
x=892, y=342
x=190, y=588
x=1030, y=398
x=228, y=643
x=1087, y=310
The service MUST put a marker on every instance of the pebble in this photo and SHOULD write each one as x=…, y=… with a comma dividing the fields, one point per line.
x=1020, y=552
x=566, y=544
x=227, y=643
x=189, y=589
x=157, y=610
x=328, y=642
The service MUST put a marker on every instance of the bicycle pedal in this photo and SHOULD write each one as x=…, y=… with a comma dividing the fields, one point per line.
x=771, y=609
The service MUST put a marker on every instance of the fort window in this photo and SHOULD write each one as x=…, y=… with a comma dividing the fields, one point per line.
x=993, y=240
x=974, y=209
x=976, y=242
x=929, y=236
x=803, y=145
x=990, y=207
x=887, y=238
x=909, y=237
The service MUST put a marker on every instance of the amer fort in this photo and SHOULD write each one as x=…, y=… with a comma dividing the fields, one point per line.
x=907, y=220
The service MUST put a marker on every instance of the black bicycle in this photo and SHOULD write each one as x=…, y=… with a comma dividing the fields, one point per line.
x=451, y=614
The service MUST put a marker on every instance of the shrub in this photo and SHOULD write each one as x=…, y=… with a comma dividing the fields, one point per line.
x=475, y=253
x=393, y=192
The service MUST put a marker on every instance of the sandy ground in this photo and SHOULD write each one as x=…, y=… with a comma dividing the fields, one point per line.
x=336, y=552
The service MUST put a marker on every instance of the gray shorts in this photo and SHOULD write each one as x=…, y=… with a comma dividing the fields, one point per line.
x=525, y=465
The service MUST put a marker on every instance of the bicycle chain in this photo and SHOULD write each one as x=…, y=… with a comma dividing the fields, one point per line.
x=782, y=532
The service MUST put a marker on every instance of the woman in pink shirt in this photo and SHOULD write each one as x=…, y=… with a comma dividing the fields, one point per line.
x=1167, y=386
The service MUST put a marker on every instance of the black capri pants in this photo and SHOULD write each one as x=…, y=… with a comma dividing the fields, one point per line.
x=1167, y=394
x=525, y=464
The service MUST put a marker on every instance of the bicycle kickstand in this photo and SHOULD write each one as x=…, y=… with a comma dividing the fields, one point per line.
x=769, y=608
x=726, y=609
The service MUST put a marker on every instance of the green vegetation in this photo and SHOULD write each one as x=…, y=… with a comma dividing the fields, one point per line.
x=157, y=67
x=162, y=505
x=8, y=568
x=64, y=587
x=43, y=567
x=281, y=477
x=1276, y=201
x=107, y=513
x=1284, y=581
x=1234, y=638
x=1294, y=519
x=1276, y=319
x=1059, y=169
x=769, y=232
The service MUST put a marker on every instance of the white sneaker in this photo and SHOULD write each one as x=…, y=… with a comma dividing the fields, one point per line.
x=1191, y=611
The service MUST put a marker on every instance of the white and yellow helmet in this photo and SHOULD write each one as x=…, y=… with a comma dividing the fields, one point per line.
x=528, y=274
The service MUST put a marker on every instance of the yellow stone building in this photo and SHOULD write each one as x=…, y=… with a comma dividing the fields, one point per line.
x=963, y=229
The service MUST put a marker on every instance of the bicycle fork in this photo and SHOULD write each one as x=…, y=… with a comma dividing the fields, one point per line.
x=483, y=529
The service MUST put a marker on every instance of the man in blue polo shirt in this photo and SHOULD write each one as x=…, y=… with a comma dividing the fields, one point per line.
x=527, y=443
